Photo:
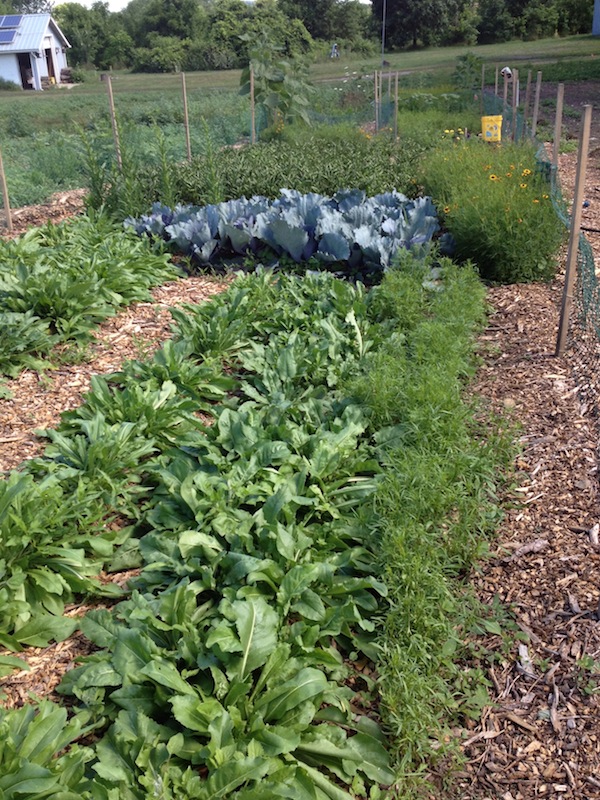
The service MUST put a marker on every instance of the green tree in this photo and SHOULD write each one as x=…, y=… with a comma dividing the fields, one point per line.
x=574, y=16
x=317, y=16
x=413, y=22
x=32, y=6
x=97, y=37
x=463, y=23
x=495, y=22
x=182, y=19
x=539, y=20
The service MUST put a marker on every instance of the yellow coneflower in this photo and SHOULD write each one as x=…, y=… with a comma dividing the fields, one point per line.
x=523, y=185
x=535, y=200
x=494, y=177
x=446, y=209
x=526, y=172
x=509, y=174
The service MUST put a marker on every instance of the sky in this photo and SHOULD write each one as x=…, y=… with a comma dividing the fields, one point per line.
x=113, y=5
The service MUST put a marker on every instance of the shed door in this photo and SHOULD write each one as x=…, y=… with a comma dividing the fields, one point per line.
x=26, y=70
x=50, y=63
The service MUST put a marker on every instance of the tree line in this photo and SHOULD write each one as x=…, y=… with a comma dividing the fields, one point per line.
x=170, y=35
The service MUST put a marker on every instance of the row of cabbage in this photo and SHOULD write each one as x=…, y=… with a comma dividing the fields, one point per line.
x=348, y=229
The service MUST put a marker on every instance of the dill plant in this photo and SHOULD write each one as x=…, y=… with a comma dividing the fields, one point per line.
x=498, y=207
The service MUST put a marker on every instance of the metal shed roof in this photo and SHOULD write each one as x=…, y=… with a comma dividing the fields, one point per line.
x=31, y=32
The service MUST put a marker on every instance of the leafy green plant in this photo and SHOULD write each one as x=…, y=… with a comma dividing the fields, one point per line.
x=31, y=763
x=281, y=88
x=58, y=282
x=50, y=552
x=23, y=339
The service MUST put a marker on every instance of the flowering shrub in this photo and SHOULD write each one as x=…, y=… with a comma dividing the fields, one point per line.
x=497, y=207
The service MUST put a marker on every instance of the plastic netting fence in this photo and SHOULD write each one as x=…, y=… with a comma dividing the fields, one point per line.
x=583, y=341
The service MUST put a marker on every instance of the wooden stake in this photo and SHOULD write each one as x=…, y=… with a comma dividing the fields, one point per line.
x=186, y=119
x=376, y=104
x=396, y=107
x=113, y=120
x=527, y=102
x=5, y=197
x=252, y=108
x=505, y=94
x=482, y=87
x=515, y=92
x=536, y=104
x=567, y=300
x=560, y=96
x=496, y=81
x=390, y=85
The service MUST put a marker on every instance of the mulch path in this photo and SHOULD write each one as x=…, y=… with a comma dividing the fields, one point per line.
x=540, y=735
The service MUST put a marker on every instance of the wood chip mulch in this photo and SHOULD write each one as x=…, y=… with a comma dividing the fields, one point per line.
x=540, y=735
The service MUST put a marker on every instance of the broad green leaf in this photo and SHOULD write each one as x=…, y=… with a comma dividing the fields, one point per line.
x=30, y=779
x=196, y=714
x=166, y=674
x=296, y=581
x=329, y=790
x=257, y=626
x=277, y=702
x=277, y=739
x=10, y=663
x=42, y=629
x=99, y=674
x=229, y=777
x=196, y=543
x=132, y=652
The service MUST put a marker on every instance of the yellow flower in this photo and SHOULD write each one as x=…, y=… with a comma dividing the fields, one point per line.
x=446, y=209
x=488, y=166
x=494, y=177
x=526, y=172
x=446, y=131
x=512, y=166
x=509, y=174
x=523, y=185
x=536, y=200
x=545, y=196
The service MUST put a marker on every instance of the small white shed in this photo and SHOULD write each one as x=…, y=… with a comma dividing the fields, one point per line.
x=33, y=50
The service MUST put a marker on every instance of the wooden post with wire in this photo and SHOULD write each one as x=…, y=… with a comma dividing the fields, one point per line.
x=5, y=197
x=186, y=119
x=496, y=81
x=527, y=103
x=482, y=88
x=505, y=94
x=252, y=108
x=396, y=107
x=376, y=102
x=536, y=104
x=573, y=248
x=560, y=97
x=514, y=103
x=113, y=122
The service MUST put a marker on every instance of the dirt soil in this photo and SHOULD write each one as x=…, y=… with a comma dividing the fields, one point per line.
x=540, y=735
